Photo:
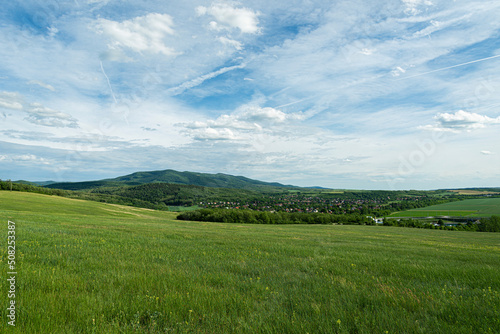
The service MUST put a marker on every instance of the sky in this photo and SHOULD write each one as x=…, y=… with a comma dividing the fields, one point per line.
x=355, y=94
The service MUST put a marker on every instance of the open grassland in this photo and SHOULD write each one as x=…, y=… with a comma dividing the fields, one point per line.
x=483, y=207
x=87, y=267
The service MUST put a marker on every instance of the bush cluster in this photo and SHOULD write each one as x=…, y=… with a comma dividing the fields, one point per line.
x=491, y=224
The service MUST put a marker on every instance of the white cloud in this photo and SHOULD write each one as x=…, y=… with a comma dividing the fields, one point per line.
x=213, y=134
x=224, y=122
x=24, y=159
x=461, y=121
x=11, y=100
x=367, y=51
x=267, y=115
x=52, y=31
x=38, y=114
x=398, y=71
x=244, y=123
x=143, y=33
x=235, y=44
x=41, y=84
x=412, y=6
x=486, y=152
x=228, y=17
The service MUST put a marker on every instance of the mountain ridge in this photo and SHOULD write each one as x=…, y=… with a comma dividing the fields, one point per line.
x=219, y=180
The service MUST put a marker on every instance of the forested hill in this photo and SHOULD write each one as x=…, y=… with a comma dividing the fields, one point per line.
x=171, y=176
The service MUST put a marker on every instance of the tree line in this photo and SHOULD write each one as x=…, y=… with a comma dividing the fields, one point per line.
x=265, y=217
x=97, y=197
x=486, y=224
x=240, y=216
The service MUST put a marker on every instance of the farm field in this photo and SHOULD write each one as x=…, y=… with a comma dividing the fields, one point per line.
x=474, y=192
x=466, y=208
x=88, y=267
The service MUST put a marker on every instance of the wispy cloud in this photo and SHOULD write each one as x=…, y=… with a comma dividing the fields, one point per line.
x=42, y=84
x=41, y=115
x=231, y=42
x=414, y=7
x=11, y=100
x=37, y=113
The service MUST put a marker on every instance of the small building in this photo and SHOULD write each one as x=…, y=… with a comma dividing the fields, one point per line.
x=376, y=220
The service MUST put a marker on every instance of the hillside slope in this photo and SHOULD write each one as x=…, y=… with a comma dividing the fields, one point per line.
x=88, y=267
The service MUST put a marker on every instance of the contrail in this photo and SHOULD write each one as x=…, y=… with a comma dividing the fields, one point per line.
x=198, y=81
x=295, y=102
x=412, y=76
x=447, y=68
x=361, y=81
x=109, y=84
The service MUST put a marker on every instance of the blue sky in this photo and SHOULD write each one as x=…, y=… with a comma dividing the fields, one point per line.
x=398, y=94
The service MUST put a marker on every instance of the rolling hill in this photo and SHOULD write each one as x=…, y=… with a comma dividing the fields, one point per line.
x=171, y=176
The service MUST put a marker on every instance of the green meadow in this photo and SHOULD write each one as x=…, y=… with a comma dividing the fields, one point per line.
x=88, y=267
x=483, y=207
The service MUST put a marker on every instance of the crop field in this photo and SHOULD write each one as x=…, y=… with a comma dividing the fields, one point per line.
x=466, y=208
x=474, y=192
x=88, y=267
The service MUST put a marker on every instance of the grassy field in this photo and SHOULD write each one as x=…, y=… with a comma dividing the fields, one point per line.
x=183, y=208
x=484, y=207
x=87, y=267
